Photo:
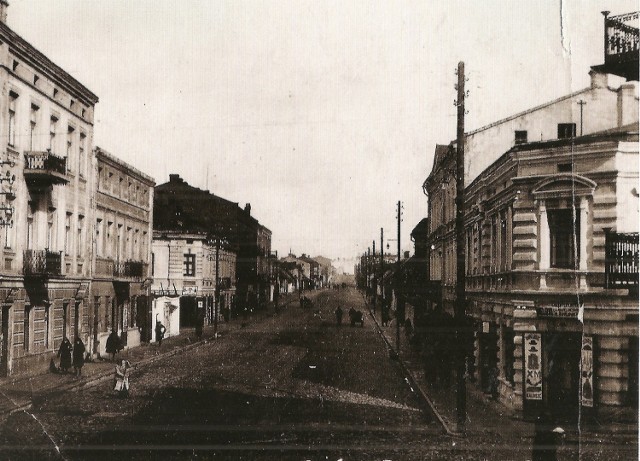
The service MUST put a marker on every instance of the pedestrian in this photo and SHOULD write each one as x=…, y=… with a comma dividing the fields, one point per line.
x=78, y=355
x=160, y=329
x=546, y=439
x=121, y=385
x=339, y=314
x=199, y=322
x=114, y=345
x=64, y=352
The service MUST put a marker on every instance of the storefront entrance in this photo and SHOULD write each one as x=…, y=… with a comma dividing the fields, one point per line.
x=562, y=375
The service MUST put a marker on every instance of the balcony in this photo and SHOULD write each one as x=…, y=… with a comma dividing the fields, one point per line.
x=133, y=270
x=621, y=260
x=42, y=263
x=224, y=283
x=42, y=168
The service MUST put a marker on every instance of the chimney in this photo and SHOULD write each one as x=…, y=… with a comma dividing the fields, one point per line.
x=4, y=4
x=598, y=79
x=247, y=208
x=172, y=177
x=627, y=103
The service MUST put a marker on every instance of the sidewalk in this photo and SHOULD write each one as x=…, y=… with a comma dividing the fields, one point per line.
x=485, y=416
x=18, y=393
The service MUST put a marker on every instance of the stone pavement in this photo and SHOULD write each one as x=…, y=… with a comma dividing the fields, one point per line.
x=18, y=393
x=485, y=416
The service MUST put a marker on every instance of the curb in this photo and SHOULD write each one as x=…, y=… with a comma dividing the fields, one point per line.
x=412, y=381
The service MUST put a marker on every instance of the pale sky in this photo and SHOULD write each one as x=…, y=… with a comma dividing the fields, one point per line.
x=321, y=114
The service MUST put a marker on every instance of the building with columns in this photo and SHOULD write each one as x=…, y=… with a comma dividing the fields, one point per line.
x=551, y=252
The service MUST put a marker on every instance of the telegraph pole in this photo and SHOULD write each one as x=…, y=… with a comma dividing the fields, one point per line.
x=217, y=290
x=581, y=103
x=460, y=314
x=398, y=283
x=381, y=271
x=374, y=281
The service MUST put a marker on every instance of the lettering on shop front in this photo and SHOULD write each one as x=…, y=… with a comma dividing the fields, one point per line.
x=558, y=310
x=533, y=366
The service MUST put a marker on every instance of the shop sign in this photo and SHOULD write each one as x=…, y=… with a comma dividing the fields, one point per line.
x=189, y=291
x=586, y=372
x=558, y=311
x=533, y=366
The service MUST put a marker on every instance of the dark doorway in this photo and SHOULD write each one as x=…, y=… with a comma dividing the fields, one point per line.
x=562, y=375
x=4, y=340
x=188, y=311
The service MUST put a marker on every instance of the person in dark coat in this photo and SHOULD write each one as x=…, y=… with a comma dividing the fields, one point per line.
x=546, y=439
x=64, y=352
x=78, y=355
x=160, y=329
x=114, y=345
x=339, y=314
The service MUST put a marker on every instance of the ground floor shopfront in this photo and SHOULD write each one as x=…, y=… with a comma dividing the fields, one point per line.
x=547, y=353
x=121, y=307
x=36, y=314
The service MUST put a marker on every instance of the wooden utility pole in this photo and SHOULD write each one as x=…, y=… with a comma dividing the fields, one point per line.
x=381, y=271
x=397, y=280
x=460, y=308
x=374, y=282
x=581, y=103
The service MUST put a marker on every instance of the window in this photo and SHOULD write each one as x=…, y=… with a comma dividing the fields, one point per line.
x=51, y=215
x=565, y=238
x=35, y=79
x=99, y=247
x=70, y=131
x=566, y=130
x=53, y=126
x=67, y=233
x=521, y=137
x=15, y=65
x=564, y=168
x=189, y=265
x=12, y=118
x=32, y=125
x=8, y=237
x=79, y=240
x=55, y=92
x=153, y=264
x=26, y=327
x=503, y=241
x=81, y=155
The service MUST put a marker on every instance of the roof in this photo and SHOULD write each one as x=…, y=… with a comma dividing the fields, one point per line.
x=27, y=52
x=422, y=228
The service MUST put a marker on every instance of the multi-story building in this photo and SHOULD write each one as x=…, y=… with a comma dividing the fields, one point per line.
x=181, y=207
x=543, y=213
x=123, y=227
x=46, y=124
x=198, y=271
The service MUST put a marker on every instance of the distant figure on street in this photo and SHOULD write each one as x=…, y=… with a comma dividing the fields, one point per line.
x=122, y=379
x=114, y=345
x=339, y=314
x=546, y=439
x=199, y=322
x=64, y=352
x=78, y=355
x=160, y=329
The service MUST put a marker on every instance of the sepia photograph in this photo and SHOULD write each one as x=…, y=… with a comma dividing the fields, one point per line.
x=319, y=230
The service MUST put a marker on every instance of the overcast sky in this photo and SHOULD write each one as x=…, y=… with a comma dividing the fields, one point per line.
x=321, y=114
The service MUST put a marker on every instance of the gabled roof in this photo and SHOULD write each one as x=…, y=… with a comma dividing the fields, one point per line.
x=421, y=229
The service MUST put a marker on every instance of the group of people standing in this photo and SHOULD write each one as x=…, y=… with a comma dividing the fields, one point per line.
x=72, y=355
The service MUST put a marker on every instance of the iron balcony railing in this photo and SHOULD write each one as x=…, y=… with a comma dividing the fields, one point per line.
x=129, y=269
x=42, y=263
x=621, y=38
x=224, y=283
x=621, y=260
x=45, y=166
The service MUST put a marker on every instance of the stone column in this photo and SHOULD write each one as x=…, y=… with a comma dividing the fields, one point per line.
x=584, y=205
x=544, y=240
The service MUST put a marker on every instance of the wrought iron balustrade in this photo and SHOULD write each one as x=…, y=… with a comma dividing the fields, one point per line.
x=621, y=260
x=43, y=166
x=42, y=262
x=129, y=269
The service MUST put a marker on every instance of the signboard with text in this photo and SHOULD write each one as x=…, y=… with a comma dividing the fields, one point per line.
x=533, y=366
x=586, y=372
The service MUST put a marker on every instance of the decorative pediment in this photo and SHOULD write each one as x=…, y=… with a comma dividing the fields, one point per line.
x=564, y=185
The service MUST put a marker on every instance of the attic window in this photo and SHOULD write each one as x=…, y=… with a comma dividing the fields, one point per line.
x=35, y=79
x=521, y=137
x=564, y=168
x=566, y=130
x=83, y=112
x=71, y=103
x=15, y=65
x=55, y=92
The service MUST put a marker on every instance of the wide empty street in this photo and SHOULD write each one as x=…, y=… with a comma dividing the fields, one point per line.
x=291, y=385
